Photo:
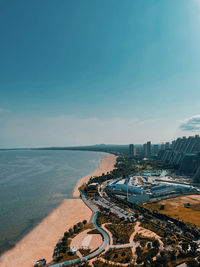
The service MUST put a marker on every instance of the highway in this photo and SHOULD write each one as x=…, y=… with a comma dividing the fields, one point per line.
x=105, y=243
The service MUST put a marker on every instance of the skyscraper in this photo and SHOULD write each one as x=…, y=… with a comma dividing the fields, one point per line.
x=145, y=150
x=132, y=150
x=148, y=149
x=155, y=150
x=179, y=148
x=167, y=145
x=162, y=147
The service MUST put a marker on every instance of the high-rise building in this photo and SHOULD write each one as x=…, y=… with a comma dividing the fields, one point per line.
x=155, y=150
x=145, y=150
x=162, y=147
x=148, y=149
x=132, y=150
x=167, y=145
x=184, y=153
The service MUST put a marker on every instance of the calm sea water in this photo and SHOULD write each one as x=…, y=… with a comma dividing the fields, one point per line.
x=33, y=183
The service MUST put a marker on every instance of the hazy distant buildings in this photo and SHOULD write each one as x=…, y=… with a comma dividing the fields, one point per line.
x=132, y=150
x=167, y=145
x=184, y=153
x=180, y=147
x=162, y=147
x=148, y=149
x=145, y=150
x=155, y=150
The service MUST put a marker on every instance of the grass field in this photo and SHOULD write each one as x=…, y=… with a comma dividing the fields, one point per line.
x=186, y=208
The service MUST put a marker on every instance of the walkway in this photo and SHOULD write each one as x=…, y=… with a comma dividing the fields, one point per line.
x=108, y=232
x=105, y=237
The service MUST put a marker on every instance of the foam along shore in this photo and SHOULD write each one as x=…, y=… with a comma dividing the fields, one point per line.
x=40, y=242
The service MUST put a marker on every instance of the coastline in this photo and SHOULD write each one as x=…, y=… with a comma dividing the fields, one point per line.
x=106, y=165
x=40, y=242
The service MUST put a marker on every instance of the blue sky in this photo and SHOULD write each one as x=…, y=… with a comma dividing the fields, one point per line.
x=87, y=72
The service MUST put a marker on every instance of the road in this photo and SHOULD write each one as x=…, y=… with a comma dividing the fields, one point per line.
x=106, y=239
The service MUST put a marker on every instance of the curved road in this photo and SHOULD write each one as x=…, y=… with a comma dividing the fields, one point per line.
x=105, y=243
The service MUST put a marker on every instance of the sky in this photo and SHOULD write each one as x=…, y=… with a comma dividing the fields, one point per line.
x=76, y=72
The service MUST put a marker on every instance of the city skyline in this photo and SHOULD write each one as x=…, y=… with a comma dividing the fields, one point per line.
x=95, y=72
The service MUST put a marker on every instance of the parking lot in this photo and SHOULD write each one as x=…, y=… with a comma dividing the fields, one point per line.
x=121, y=213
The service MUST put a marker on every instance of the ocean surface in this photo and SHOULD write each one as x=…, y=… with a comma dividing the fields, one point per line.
x=33, y=183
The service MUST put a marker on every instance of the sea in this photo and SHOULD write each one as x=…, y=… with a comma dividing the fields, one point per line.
x=33, y=183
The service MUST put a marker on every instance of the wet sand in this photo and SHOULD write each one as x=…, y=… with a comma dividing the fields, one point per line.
x=40, y=242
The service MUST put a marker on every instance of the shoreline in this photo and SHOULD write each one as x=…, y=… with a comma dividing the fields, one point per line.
x=40, y=242
x=106, y=165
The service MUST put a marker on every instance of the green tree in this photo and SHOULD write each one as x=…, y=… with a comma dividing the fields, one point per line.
x=192, y=263
x=155, y=243
x=67, y=234
x=184, y=246
x=149, y=245
x=75, y=227
x=194, y=247
x=138, y=251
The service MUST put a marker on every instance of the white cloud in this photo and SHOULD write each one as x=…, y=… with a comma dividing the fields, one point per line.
x=191, y=124
x=73, y=131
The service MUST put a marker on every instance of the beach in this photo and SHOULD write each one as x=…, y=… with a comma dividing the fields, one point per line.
x=106, y=165
x=40, y=242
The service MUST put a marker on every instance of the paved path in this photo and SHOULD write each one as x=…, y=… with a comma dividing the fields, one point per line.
x=114, y=263
x=105, y=237
x=108, y=232
x=127, y=245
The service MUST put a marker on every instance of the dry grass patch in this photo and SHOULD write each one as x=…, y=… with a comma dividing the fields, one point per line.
x=185, y=208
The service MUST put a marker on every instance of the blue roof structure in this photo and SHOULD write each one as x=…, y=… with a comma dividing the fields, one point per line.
x=123, y=188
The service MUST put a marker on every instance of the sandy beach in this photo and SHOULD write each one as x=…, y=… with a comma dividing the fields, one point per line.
x=106, y=165
x=40, y=242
